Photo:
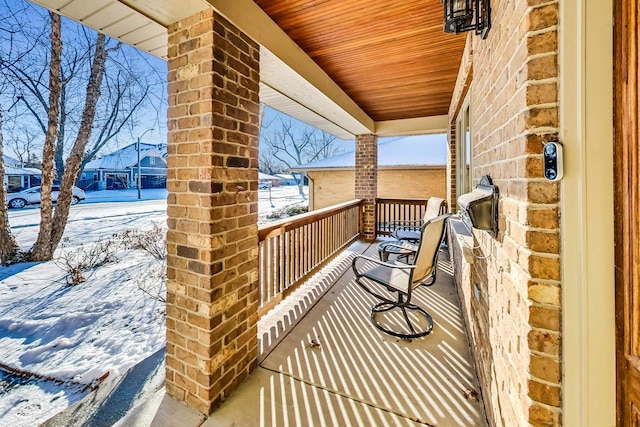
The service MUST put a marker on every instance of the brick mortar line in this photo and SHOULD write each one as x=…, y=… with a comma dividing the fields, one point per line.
x=526, y=132
x=505, y=49
x=545, y=382
x=537, y=131
x=545, y=330
x=514, y=73
x=534, y=131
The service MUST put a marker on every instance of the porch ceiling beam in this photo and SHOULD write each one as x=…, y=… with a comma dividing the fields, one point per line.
x=416, y=126
x=325, y=98
x=275, y=99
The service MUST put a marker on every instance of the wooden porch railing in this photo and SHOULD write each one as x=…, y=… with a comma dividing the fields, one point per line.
x=388, y=210
x=292, y=249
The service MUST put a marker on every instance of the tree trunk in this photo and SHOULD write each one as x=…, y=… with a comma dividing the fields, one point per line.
x=59, y=154
x=74, y=161
x=8, y=246
x=301, y=186
x=42, y=250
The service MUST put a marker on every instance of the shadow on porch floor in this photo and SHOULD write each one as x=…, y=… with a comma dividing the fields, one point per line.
x=323, y=363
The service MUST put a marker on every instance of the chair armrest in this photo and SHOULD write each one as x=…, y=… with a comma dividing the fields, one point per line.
x=377, y=261
x=414, y=248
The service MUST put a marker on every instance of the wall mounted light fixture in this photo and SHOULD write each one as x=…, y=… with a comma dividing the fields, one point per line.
x=467, y=15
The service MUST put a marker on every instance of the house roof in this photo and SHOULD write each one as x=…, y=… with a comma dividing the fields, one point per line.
x=285, y=176
x=267, y=177
x=11, y=170
x=126, y=157
x=12, y=167
x=10, y=161
x=418, y=151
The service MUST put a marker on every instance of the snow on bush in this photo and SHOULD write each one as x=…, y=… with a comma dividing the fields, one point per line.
x=78, y=260
x=288, y=211
x=152, y=241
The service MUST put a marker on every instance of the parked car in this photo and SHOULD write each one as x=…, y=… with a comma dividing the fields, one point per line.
x=264, y=186
x=31, y=196
x=14, y=189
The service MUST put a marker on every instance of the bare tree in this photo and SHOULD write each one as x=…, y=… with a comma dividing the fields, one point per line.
x=293, y=144
x=75, y=102
x=8, y=245
x=74, y=160
x=122, y=105
x=269, y=164
x=127, y=84
x=24, y=143
x=42, y=249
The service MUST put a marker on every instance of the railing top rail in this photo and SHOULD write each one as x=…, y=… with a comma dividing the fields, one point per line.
x=403, y=201
x=279, y=227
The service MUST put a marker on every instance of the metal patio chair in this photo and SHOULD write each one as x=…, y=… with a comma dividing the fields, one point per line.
x=384, y=279
x=409, y=230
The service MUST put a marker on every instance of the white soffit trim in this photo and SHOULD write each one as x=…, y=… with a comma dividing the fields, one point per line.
x=166, y=12
x=300, y=99
x=138, y=23
x=288, y=106
x=301, y=79
x=417, y=126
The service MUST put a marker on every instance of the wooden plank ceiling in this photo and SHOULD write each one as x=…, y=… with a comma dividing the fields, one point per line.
x=392, y=58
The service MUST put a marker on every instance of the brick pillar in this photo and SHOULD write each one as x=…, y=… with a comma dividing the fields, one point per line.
x=212, y=292
x=367, y=182
x=452, y=190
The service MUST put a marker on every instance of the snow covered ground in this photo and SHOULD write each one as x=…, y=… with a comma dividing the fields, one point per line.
x=77, y=335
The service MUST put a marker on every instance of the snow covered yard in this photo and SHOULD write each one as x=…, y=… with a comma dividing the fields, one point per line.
x=71, y=337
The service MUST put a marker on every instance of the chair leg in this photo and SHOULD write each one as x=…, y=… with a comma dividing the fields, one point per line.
x=389, y=306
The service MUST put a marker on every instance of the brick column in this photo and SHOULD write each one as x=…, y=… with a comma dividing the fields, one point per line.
x=212, y=292
x=452, y=186
x=367, y=182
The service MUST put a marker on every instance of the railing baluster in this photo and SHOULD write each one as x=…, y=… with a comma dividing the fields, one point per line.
x=293, y=248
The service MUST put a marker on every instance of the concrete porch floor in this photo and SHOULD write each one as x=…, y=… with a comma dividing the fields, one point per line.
x=323, y=363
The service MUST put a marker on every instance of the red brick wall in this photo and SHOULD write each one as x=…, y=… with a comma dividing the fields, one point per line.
x=366, y=182
x=212, y=209
x=515, y=323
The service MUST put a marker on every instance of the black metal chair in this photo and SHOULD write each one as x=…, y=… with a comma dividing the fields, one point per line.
x=384, y=279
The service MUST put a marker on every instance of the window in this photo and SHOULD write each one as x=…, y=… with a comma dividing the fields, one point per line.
x=152, y=161
x=14, y=181
x=95, y=176
x=463, y=150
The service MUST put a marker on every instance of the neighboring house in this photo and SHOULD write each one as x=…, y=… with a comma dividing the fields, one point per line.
x=287, y=179
x=16, y=177
x=119, y=169
x=411, y=167
x=264, y=178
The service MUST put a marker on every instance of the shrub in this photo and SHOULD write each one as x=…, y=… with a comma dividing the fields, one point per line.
x=87, y=256
x=288, y=211
x=153, y=241
x=154, y=283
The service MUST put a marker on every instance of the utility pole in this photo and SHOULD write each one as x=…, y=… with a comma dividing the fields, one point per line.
x=139, y=178
x=138, y=181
